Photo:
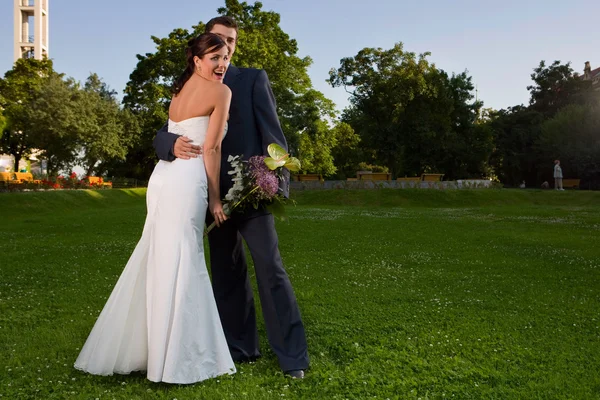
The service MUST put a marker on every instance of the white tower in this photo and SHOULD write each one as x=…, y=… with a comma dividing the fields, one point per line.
x=31, y=29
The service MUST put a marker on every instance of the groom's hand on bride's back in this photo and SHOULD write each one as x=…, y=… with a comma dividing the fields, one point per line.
x=184, y=149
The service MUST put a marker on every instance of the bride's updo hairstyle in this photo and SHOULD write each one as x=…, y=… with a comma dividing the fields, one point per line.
x=197, y=47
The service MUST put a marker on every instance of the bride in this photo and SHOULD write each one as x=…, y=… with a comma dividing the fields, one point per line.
x=161, y=316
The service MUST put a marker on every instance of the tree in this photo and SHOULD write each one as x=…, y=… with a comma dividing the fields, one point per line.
x=65, y=123
x=466, y=149
x=573, y=136
x=315, y=150
x=262, y=44
x=56, y=120
x=313, y=144
x=3, y=120
x=516, y=132
x=346, y=153
x=556, y=123
x=555, y=86
x=109, y=131
x=20, y=87
x=385, y=83
x=96, y=85
x=413, y=116
x=147, y=97
x=75, y=125
x=3, y=123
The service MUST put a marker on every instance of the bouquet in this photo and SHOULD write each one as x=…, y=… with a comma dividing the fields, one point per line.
x=256, y=181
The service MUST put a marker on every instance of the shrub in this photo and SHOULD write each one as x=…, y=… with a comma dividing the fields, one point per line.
x=363, y=166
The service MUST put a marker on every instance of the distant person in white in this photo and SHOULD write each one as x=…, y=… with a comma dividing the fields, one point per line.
x=558, y=177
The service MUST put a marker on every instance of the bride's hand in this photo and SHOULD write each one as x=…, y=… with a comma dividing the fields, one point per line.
x=216, y=209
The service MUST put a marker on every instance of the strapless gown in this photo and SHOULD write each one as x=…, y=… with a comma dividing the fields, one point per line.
x=161, y=316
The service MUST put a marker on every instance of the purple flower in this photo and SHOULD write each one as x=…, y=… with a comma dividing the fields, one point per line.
x=265, y=179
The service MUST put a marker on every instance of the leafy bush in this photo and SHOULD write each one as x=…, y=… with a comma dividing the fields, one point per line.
x=363, y=166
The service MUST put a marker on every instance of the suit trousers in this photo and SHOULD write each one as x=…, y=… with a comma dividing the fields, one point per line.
x=234, y=295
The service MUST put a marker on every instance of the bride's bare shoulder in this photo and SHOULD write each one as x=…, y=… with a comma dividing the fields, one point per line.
x=221, y=90
x=212, y=92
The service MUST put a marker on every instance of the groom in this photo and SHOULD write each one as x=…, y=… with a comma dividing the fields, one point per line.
x=253, y=125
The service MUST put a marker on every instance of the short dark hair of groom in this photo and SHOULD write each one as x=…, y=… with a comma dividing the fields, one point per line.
x=221, y=20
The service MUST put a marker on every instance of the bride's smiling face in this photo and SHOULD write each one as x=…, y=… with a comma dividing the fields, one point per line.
x=212, y=65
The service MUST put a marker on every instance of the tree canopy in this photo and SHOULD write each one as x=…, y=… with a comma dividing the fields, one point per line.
x=261, y=44
x=60, y=121
x=20, y=87
x=560, y=122
x=413, y=116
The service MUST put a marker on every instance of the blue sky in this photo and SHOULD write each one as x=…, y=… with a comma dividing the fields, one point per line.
x=498, y=42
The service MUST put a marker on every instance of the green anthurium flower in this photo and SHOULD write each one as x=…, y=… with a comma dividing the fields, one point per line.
x=277, y=152
x=280, y=158
x=274, y=164
x=293, y=164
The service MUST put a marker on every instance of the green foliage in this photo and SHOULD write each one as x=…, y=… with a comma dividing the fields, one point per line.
x=78, y=126
x=346, y=153
x=556, y=86
x=109, y=131
x=384, y=83
x=64, y=123
x=315, y=149
x=363, y=166
x=404, y=294
x=302, y=110
x=19, y=88
x=148, y=95
x=3, y=123
x=261, y=44
x=516, y=132
x=573, y=136
x=559, y=123
x=56, y=119
x=413, y=116
x=468, y=145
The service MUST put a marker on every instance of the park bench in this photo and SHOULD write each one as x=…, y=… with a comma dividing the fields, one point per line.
x=373, y=176
x=6, y=178
x=409, y=179
x=309, y=177
x=571, y=183
x=431, y=177
x=97, y=181
x=26, y=177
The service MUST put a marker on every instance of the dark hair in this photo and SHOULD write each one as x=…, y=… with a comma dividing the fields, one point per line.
x=197, y=47
x=221, y=20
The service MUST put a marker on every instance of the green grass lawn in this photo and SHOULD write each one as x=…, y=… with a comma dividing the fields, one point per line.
x=412, y=294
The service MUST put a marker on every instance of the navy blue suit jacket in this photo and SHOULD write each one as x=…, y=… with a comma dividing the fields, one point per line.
x=253, y=124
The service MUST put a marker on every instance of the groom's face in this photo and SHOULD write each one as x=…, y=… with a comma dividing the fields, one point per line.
x=229, y=35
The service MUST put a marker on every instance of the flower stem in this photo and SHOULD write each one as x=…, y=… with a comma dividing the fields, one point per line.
x=244, y=198
x=211, y=226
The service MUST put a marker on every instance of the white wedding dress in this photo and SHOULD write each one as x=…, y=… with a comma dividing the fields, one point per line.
x=161, y=316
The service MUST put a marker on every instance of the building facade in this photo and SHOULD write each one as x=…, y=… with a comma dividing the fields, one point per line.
x=593, y=75
x=30, y=41
x=31, y=29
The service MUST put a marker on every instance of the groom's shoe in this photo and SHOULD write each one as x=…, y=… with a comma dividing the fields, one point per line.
x=295, y=373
